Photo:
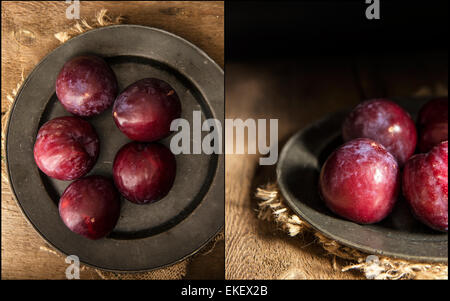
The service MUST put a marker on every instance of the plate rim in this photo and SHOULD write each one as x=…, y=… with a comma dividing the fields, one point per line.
x=7, y=132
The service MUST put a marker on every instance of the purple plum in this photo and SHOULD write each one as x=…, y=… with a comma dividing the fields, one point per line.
x=86, y=86
x=144, y=172
x=360, y=181
x=90, y=207
x=66, y=148
x=145, y=110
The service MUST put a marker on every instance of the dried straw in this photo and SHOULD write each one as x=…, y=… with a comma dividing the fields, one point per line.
x=272, y=207
x=101, y=19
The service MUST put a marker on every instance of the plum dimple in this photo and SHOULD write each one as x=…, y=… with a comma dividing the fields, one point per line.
x=385, y=122
x=360, y=181
x=90, y=207
x=145, y=110
x=144, y=172
x=66, y=148
x=425, y=186
x=86, y=86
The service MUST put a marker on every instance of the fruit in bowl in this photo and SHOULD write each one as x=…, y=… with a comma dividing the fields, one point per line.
x=144, y=172
x=86, y=86
x=425, y=186
x=360, y=181
x=433, y=123
x=384, y=122
x=145, y=110
x=90, y=207
x=66, y=148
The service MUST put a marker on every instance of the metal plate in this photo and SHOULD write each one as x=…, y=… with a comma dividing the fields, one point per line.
x=146, y=236
x=399, y=235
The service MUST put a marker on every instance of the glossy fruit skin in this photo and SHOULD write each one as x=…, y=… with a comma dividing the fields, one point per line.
x=360, y=181
x=433, y=123
x=90, y=207
x=144, y=172
x=385, y=122
x=86, y=86
x=66, y=148
x=425, y=186
x=145, y=110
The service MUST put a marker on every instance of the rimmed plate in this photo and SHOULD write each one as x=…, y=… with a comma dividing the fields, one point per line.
x=400, y=235
x=146, y=236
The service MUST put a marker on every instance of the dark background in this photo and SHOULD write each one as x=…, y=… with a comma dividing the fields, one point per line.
x=259, y=29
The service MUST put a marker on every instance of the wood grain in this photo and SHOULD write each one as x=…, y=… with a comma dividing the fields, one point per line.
x=297, y=92
x=28, y=30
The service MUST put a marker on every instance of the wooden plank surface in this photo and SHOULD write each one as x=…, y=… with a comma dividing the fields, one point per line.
x=28, y=30
x=297, y=92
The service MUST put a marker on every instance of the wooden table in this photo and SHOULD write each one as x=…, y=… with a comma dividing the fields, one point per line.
x=28, y=30
x=299, y=91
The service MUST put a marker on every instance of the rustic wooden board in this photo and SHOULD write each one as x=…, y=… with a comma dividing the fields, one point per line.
x=28, y=30
x=297, y=92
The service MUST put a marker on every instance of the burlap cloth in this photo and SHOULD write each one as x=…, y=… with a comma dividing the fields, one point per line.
x=176, y=271
x=272, y=207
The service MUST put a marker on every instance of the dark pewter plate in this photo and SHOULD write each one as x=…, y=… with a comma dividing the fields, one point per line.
x=146, y=236
x=400, y=235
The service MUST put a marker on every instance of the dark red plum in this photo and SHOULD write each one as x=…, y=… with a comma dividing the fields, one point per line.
x=385, y=122
x=432, y=134
x=425, y=186
x=86, y=86
x=145, y=110
x=360, y=181
x=144, y=172
x=90, y=207
x=66, y=148
x=433, y=123
x=436, y=110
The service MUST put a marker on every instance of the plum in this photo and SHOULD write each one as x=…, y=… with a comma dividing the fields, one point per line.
x=433, y=123
x=425, y=186
x=90, y=207
x=86, y=86
x=66, y=148
x=145, y=110
x=360, y=181
x=144, y=172
x=436, y=110
x=385, y=122
x=432, y=134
